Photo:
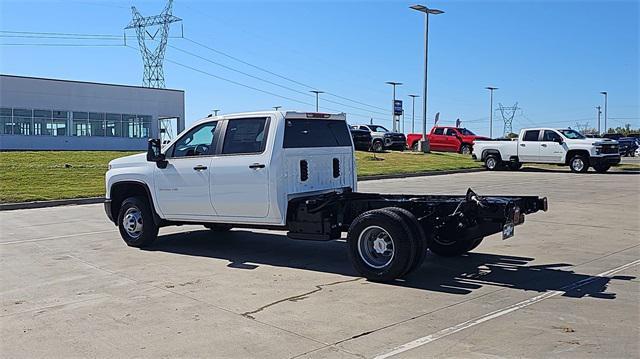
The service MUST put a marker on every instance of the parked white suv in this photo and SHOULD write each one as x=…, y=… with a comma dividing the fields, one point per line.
x=295, y=171
x=547, y=145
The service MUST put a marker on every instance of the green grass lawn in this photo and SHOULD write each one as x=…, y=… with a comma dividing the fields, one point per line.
x=37, y=176
x=410, y=162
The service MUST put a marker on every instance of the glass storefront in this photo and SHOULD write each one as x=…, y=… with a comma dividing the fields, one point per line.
x=38, y=122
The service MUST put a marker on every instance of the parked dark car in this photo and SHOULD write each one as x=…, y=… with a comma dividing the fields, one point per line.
x=628, y=146
x=361, y=139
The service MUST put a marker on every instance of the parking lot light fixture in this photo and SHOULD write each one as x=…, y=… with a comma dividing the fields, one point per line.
x=427, y=11
x=605, y=110
x=393, y=114
x=317, y=97
x=491, y=89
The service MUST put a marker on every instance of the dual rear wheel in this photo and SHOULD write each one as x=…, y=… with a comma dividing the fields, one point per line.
x=389, y=243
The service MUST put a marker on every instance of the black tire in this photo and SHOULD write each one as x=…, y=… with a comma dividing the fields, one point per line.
x=415, y=147
x=377, y=146
x=476, y=243
x=219, y=227
x=419, y=236
x=514, y=166
x=601, y=168
x=465, y=150
x=450, y=247
x=384, y=267
x=141, y=229
x=579, y=164
x=492, y=162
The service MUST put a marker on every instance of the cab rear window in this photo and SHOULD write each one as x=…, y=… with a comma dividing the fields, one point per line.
x=303, y=133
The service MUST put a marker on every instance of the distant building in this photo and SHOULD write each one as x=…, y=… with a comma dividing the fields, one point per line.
x=50, y=114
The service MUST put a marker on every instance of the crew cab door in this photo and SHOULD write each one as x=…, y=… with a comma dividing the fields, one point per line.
x=453, y=143
x=437, y=140
x=529, y=146
x=240, y=174
x=182, y=188
x=551, y=151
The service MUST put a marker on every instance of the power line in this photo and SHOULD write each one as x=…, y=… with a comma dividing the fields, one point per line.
x=62, y=37
x=57, y=33
x=63, y=45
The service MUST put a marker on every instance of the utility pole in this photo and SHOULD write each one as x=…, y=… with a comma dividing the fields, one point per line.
x=153, y=59
x=426, y=12
x=413, y=113
x=599, y=113
x=317, y=97
x=606, y=95
x=393, y=101
x=276, y=107
x=491, y=89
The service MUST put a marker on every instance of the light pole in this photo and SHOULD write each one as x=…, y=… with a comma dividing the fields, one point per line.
x=426, y=12
x=413, y=112
x=605, y=110
x=599, y=113
x=491, y=111
x=393, y=103
x=276, y=107
x=317, y=97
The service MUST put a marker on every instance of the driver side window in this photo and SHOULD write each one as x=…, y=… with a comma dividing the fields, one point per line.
x=551, y=136
x=197, y=142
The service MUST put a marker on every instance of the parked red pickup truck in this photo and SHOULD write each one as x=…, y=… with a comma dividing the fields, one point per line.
x=446, y=139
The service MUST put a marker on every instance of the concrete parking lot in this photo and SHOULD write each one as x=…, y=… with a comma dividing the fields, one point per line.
x=565, y=286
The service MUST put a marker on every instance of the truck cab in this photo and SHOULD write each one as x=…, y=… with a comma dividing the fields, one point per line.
x=295, y=171
x=552, y=146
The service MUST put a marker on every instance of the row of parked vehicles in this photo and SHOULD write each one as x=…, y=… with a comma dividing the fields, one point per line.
x=377, y=138
x=565, y=147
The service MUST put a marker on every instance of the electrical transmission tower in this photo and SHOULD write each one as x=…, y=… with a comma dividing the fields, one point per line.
x=153, y=28
x=507, y=114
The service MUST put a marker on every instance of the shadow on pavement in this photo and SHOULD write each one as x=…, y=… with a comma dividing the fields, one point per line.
x=462, y=275
x=561, y=169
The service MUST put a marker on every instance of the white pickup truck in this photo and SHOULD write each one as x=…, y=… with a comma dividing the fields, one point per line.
x=546, y=145
x=295, y=171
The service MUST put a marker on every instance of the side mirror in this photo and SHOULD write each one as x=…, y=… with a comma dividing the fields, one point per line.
x=154, y=154
x=559, y=140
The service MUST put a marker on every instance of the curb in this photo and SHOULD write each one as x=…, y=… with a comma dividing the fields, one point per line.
x=419, y=174
x=54, y=203
x=93, y=200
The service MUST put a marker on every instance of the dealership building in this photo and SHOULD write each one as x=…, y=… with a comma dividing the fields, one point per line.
x=51, y=114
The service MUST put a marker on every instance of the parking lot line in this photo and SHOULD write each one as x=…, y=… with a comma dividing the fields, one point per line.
x=55, y=237
x=501, y=312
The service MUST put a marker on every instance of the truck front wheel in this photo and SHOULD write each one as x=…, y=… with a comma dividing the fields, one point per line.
x=579, y=164
x=465, y=150
x=381, y=245
x=135, y=222
x=377, y=146
x=492, y=162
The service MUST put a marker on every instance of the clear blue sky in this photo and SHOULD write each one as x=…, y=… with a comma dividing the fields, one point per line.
x=551, y=57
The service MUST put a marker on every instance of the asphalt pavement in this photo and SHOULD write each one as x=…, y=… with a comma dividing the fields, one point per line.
x=565, y=286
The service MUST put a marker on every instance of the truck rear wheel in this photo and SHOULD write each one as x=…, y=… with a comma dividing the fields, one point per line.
x=492, y=162
x=579, y=164
x=465, y=150
x=418, y=234
x=447, y=246
x=135, y=222
x=381, y=245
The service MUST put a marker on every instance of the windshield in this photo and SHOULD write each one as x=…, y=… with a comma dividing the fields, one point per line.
x=376, y=128
x=466, y=132
x=572, y=134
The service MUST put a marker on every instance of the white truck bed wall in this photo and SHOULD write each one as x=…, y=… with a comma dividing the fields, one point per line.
x=319, y=169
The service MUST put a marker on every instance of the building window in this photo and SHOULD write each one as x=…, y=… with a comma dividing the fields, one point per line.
x=114, y=125
x=80, y=124
x=6, y=123
x=22, y=121
x=42, y=122
x=96, y=124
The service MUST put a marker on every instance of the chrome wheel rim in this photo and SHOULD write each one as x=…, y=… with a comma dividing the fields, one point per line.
x=577, y=164
x=466, y=150
x=491, y=163
x=132, y=222
x=376, y=247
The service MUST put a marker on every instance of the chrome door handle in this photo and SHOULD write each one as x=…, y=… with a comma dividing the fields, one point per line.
x=200, y=168
x=256, y=166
